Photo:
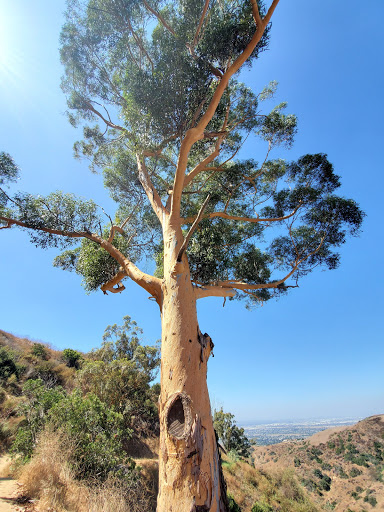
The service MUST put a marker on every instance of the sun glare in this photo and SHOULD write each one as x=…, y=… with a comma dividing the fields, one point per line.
x=8, y=57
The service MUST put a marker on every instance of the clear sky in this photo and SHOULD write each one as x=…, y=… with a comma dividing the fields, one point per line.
x=317, y=352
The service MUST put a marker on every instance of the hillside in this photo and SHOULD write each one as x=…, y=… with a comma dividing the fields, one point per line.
x=338, y=469
x=342, y=468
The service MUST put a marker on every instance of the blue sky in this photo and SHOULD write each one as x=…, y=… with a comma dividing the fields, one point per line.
x=317, y=352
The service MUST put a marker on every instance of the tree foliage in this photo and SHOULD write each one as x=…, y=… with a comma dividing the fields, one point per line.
x=112, y=401
x=119, y=373
x=141, y=78
x=232, y=437
x=71, y=357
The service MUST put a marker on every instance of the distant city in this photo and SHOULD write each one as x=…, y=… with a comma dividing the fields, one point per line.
x=277, y=432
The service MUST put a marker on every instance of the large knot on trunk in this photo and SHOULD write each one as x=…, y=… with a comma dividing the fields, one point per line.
x=206, y=345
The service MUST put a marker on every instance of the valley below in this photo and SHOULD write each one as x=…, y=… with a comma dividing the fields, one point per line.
x=278, y=432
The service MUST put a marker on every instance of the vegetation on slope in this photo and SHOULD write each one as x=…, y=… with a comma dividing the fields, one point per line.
x=75, y=418
x=85, y=426
x=342, y=470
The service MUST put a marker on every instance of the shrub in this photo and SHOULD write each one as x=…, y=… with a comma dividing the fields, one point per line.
x=72, y=357
x=340, y=472
x=8, y=364
x=49, y=476
x=96, y=432
x=124, y=388
x=45, y=371
x=5, y=434
x=232, y=505
x=261, y=507
x=371, y=500
x=36, y=407
x=39, y=350
x=355, y=472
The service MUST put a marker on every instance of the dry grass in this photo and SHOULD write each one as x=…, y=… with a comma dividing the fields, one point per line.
x=279, y=490
x=48, y=477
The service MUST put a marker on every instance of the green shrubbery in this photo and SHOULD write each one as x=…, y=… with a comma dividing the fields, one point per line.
x=97, y=434
x=8, y=364
x=112, y=399
x=261, y=507
x=39, y=350
x=231, y=436
x=72, y=357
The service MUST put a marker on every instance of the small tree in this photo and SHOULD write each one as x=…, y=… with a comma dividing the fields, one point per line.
x=120, y=373
x=124, y=342
x=155, y=84
x=232, y=437
x=71, y=357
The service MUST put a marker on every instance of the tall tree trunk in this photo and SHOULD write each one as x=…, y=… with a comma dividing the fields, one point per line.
x=190, y=478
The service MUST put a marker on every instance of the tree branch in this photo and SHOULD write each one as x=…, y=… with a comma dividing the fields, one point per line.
x=113, y=231
x=149, y=189
x=110, y=286
x=205, y=9
x=246, y=287
x=194, y=134
x=224, y=215
x=271, y=10
x=160, y=18
x=108, y=123
x=213, y=291
x=9, y=225
x=140, y=44
x=192, y=229
x=256, y=13
x=150, y=283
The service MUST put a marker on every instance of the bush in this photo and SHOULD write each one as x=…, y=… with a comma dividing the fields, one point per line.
x=355, y=472
x=72, y=357
x=96, y=432
x=49, y=476
x=36, y=407
x=124, y=388
x=39, y=350
x=8, y=364
x=371, y=500
x=324, y=483
x=5, y=434
x=232, y=505
x=261, y=507
x=339, y=470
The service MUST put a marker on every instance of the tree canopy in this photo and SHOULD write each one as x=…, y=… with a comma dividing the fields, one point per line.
x=157, y=91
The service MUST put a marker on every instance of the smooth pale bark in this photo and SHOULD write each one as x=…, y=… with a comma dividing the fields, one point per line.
x=189, y=464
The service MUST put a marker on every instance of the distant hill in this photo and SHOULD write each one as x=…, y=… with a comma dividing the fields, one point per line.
x=342, y=468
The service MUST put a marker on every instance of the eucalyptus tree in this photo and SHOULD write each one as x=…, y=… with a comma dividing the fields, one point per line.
x=155, y=85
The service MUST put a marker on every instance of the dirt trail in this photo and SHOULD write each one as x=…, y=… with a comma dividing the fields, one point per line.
x=8, y=489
